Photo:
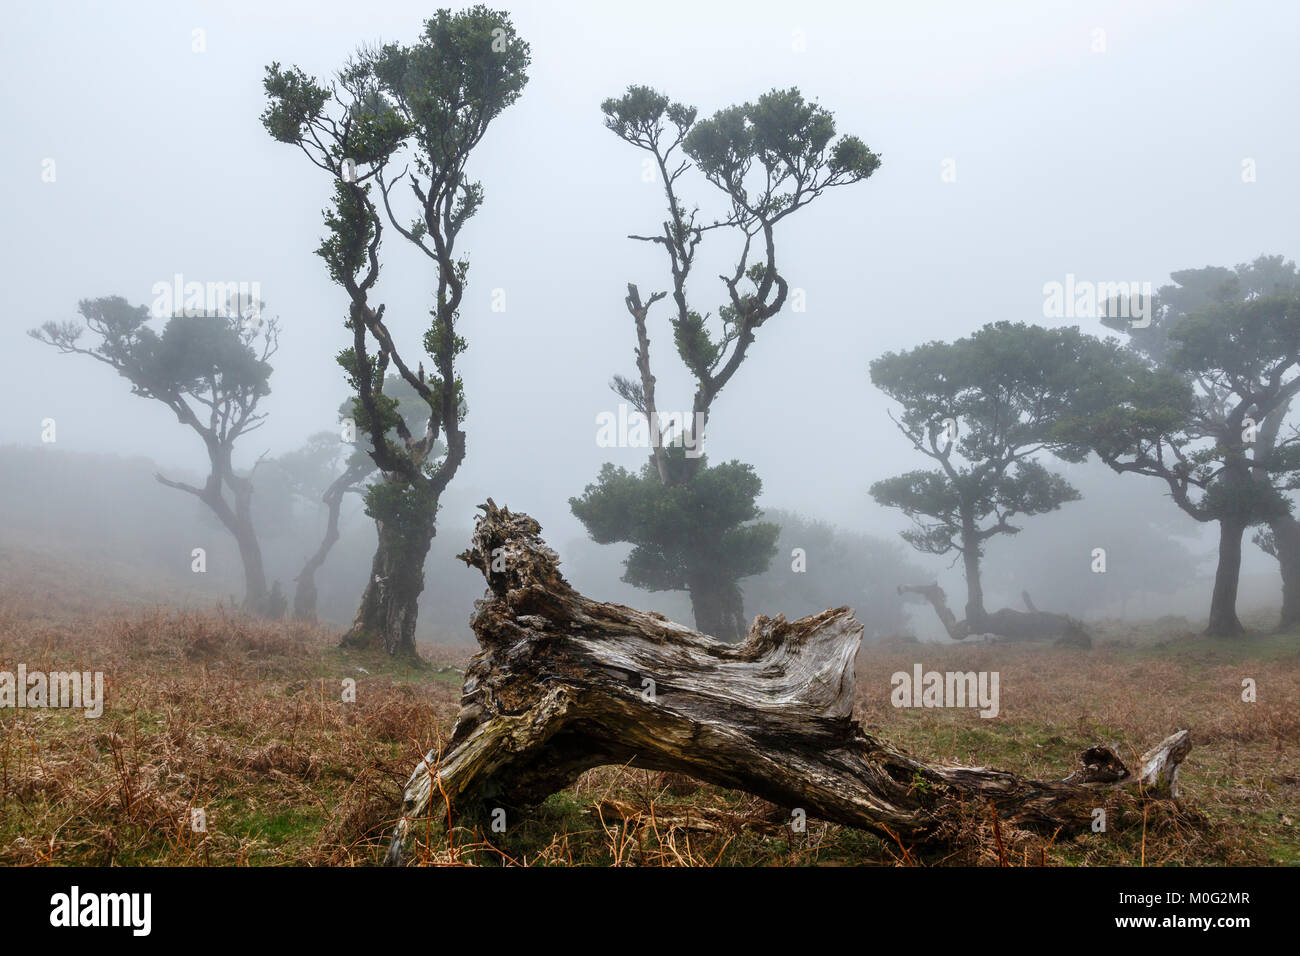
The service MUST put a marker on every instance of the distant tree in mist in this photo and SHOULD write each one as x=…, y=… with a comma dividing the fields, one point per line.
x=326, y=469
x=820, y=566
x=1193, y=349
x=212, y=371
x=1198, y=404
x=410, y=116
x=322, y=471
x=981, y=408
x=692, y=523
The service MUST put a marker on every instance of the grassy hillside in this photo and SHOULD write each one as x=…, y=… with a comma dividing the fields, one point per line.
x=245, y=720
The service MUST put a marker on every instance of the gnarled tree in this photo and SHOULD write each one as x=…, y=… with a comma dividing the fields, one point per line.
x=212, y=370
x=1266, y=440
x=769, y=159
x=1187, y=411
x=433, y=102
x=981, y=408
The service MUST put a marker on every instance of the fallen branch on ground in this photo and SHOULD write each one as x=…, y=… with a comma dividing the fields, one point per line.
x=564, y=684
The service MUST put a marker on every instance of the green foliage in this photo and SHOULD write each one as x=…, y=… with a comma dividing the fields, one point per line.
x=350, y=229
x=368, y=131
x=1004, y=388
x=1221, y=358
x=296, y=101
x=1238, y=346
x=697, y=349
x=1128, y=405
x=703, y=528
x=936, y=501
x=638, y=116
x=1193, y=290
x=198, y=352
x=790, y=140
x=723, y=147
x=206, y=358
x=460, y=75
x=410, y=508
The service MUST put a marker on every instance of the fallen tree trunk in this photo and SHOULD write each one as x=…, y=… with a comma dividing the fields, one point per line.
x=564, y=684
x=1031, y=625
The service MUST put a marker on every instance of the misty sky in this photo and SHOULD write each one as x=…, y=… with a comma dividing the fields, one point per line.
x=1115, y=165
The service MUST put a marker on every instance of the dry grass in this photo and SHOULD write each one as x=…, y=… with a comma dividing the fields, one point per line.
x=246, y=721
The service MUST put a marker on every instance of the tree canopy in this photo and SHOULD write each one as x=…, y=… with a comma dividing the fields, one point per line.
x=212, y=371
x=1214, y=373
x=981, y=408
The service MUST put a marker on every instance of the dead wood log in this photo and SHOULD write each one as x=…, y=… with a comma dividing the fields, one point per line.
x=1031, y=625
x=564, y=684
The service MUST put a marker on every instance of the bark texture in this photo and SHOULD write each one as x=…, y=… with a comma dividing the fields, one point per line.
x=390, y=604
x=563, y=684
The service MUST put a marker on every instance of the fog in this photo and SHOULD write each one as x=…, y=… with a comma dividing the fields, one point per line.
x=1124, y=163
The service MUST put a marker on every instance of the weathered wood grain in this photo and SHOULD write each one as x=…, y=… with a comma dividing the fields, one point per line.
x=564, y=684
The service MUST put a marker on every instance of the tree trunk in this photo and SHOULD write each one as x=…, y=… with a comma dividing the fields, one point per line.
x=250, y=555
x=1223, y=603
x=390, y=603
x=1286, y=545
x=304, y=592
x=304, y=595
x=970, y=556
x=563, y=684
x=257, y=600
x=718, y=608
x=238, y=521
x=1283, y=535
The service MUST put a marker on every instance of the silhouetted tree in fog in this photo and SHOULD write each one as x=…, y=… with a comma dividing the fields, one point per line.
x=322, y=471
x=1272, y=446
x=1186, y=409
x=981, y=408
x=688, y=520
x=211, y=371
